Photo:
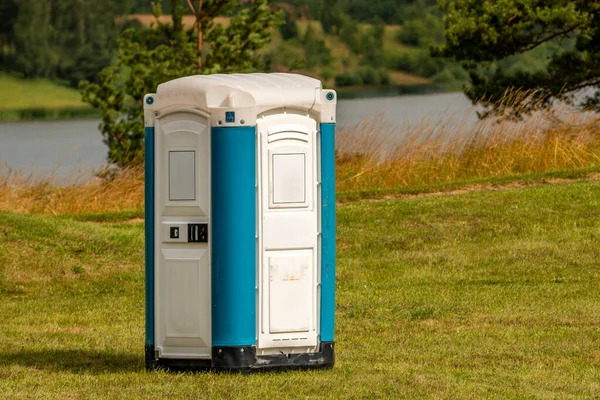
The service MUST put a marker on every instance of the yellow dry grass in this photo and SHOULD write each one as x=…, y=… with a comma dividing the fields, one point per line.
x=188, y=20
x=40, y=195
x=379, y=154
x=374, y=154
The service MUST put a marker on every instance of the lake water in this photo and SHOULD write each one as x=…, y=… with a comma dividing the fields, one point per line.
x=64, y=147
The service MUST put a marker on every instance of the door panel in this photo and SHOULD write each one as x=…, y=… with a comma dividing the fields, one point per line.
x=186, y=297
x=182, y=196
x=290, y=289
x=288, y=180
x=288, y=232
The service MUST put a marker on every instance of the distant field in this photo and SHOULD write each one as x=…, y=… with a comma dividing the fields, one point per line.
x=479, y=295
x=16, y=94
x=188, y=20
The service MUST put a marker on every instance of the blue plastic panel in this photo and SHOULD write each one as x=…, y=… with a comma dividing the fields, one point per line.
x=328, y=232
x=149, y=231
x=233, y=165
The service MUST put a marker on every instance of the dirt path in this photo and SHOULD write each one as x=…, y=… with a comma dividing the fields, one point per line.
x=474, y=188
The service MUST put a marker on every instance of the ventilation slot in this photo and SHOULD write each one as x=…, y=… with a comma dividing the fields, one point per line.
x=288, y=339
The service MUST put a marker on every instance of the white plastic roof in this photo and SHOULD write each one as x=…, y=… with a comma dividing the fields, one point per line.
x=246, y=90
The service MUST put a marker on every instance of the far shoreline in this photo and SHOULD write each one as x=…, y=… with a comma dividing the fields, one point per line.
x=344, y=93
x=48, y=114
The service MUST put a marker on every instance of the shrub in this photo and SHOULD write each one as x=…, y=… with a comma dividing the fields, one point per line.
x=327, y=73
x=288, y=28
x=315, y=50
x=418, y=62
x=289, y=54
x=350, y=78
x=424, y=32
x=369, y=75
x=366, y=75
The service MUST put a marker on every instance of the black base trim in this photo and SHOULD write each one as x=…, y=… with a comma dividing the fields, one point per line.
x=244, y=359
x=149, y=357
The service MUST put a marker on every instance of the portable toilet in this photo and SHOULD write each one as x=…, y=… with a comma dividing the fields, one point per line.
x=240, y=222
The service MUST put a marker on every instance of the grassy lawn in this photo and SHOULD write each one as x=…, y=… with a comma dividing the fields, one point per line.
x=17, y=94
x=477, y=295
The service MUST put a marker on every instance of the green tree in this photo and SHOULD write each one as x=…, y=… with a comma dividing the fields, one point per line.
x=169, y=51
x=145, y=6
x=288, y=28
x=481, y=33
x=349, y=33
x=233, y=48
x=363, y=10
x=372, y=44
x=66, y=39
x=316, y=52
x=86, y=33
x=425, y=31
x=33, y=33
x=332, y=17
x=8, y=16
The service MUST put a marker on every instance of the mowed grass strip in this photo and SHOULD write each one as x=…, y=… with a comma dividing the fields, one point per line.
x=478, y=295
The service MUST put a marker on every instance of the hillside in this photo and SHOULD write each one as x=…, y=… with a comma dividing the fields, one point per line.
x=291, y=55
x=343, y=59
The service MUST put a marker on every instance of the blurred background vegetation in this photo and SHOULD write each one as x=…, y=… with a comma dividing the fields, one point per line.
x=342, y=42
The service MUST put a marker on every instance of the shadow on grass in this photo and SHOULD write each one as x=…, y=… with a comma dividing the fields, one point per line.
x=75, y=361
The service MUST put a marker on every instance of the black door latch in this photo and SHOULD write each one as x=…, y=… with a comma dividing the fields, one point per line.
x=198, y=233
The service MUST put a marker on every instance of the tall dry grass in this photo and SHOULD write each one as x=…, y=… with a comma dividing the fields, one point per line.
x=24, y=193
x=374, y=154
x=380, y=154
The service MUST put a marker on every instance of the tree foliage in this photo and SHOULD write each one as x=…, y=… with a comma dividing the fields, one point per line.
x=233, y=48
x=169, y=51
x=65, y=39
x=331, y=17
x=390, y=11
x=481, y=33
x=288, y=28
x=316, y=52
x=424, y=31
x=8, y=15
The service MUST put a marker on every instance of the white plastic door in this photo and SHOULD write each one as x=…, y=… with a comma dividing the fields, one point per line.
x=288, y=232
x=182, y=268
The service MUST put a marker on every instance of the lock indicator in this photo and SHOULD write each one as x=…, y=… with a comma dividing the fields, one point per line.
x=198, y=233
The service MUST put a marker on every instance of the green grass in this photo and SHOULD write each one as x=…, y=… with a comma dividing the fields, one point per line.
x=494, y=182
x=26, y=99
x=18, y=94
x=490, y=294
